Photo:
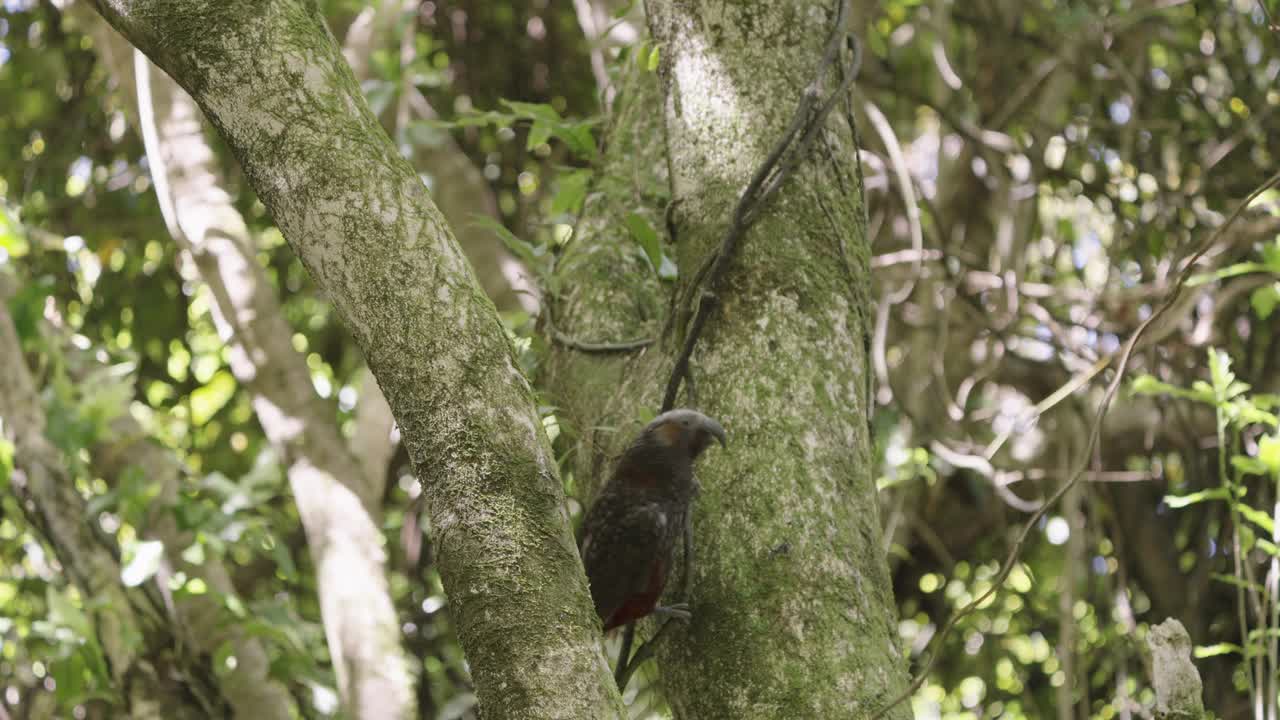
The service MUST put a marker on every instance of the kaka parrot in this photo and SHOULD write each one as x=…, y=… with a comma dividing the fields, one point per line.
x=630, y=532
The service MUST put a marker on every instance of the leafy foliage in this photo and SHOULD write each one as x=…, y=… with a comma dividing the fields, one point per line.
x=1063, y=156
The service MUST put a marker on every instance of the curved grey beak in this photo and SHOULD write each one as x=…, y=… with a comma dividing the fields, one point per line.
x=691, y=420
x=712, y=428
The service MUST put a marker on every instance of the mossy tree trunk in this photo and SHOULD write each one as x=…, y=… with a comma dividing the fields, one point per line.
x=270, y=78
x=791, y=598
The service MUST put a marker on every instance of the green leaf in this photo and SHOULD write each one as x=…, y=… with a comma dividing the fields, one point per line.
x=579, y=139
x=1255, y=516
x=64, y=613
x=6, y=460
x=1266, y=401
x=194, y=555
x=1268, y=547
x=570, y=192
x=539, y=133
x=1225, y=385
x=284, y=561
x=1271, y=256
x=1208, y=651
x=644, y=234
x=1248, y=465
x=27, y=306
x=1269, y=453
x=1245, y=413
x=211, y=397
x=220, y=657
x=1147, y=385
x=143, y=564
x=13, y=243
x=1237, y=582
x=1264, y=300
x=652, y=64
x=518, y=247
x=1181, y=501
x=68, y=674
x=534, y=111
x=1230, y=271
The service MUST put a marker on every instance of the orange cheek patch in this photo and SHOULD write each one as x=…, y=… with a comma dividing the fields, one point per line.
x=669, y=434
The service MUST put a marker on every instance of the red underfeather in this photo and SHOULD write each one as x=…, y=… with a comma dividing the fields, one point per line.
x=641, y=604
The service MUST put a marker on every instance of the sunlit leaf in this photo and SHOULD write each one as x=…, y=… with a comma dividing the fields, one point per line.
x=211, y=397
x=142, y=561
x=1208, y=651
x=1248, y=465
x=1257, y=517
x=1181, y=501
x=1264, y=300
x=1269, y=453
x=64, y=613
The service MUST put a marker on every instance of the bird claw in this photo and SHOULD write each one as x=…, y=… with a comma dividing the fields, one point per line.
x=677, y=611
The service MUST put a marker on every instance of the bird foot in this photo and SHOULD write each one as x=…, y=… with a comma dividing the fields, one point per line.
x=677, y=611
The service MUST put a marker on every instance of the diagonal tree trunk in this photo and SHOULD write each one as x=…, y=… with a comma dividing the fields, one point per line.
x=338, y=501
x=270, y=78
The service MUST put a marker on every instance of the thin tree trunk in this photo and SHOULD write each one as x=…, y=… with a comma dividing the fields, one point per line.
x=272, y=81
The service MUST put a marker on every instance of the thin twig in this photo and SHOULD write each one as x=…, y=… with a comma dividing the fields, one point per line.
x=600, y=347
x=766, y=181
x=622, y=672
x=1094, y=434
x=645, y=651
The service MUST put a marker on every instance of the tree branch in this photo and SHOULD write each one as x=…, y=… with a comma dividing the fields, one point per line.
x=271, y=80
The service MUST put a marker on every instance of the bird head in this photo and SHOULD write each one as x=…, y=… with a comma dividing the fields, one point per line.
x=687, y=430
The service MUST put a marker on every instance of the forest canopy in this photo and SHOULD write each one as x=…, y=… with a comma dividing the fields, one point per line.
x=324, y=323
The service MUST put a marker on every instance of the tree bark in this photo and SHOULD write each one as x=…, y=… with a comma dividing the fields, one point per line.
x=793, y=613
x=792, y=601
x=271, y=79
x=338, y=501
x=458, y=187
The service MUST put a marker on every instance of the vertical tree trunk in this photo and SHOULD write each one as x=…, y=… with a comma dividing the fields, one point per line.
x=793, y=606
x=793, y=614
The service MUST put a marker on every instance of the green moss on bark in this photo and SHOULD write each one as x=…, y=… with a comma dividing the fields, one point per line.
x=271, y=80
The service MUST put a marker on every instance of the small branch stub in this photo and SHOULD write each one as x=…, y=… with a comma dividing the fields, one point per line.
x=1174, y=676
